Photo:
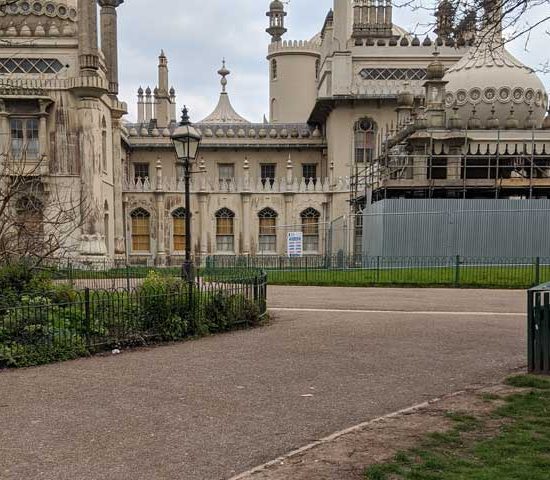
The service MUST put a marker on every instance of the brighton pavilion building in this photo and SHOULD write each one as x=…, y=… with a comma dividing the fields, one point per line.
x=360, y=110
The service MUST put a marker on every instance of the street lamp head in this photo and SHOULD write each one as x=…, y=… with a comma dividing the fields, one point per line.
x=186, y=139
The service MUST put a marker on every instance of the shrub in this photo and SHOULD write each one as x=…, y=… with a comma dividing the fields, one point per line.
x=223, y=312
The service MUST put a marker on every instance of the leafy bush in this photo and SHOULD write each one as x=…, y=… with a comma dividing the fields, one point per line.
x=223, y=312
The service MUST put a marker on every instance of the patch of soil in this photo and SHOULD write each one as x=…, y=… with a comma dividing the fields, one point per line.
x=347, y=457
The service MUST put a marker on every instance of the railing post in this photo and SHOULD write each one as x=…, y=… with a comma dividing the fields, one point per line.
x=70, y=269
x=87, y=315
x=537, y=271
x=378, y=269
x=127, y=278
x=457, y=270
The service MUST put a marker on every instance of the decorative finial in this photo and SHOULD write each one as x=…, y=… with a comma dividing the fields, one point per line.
x=185, y=120
x=223, y=72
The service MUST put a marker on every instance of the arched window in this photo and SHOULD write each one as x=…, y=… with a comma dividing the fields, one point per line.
x=365, y=140
x=310, y=229
x=274, y=69
x=141, y=230
x=268, y=230
x=30, y=225
x=178, y=224
x=225, y=231
x=104, y=144
x=317, y=68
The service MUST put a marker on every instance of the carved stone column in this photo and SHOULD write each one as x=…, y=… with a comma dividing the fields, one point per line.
x=117, y=188
x=109, y=40
x=4, y=131
x=87, y=37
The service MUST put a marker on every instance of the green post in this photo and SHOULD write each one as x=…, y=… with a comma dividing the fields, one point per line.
x=87, y=315
x=70, y=271
x=537, y=271
x=127, y=277
x=530, y=330
x=378, y=269
x=457, y=270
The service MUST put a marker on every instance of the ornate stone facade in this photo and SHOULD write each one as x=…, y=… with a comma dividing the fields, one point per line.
x=335, y=101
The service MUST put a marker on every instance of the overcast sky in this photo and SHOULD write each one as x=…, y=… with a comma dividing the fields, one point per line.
x=197, y=34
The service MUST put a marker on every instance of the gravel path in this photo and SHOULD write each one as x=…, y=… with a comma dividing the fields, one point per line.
x=208, y=409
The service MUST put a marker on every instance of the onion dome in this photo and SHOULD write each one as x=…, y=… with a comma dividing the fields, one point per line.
x=276, y=6
x=530, y=120
x=224, y=111
x=148, y=91
x=512, y=122
x=436, y=69
x=474, y=123
x=493, y=123
x=405, y=98
x=489, y=77
x=140, y=91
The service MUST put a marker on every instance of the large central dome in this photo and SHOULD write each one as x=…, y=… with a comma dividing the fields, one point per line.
x=490, y=77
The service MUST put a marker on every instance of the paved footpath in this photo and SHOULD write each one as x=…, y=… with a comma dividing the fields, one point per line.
x=210, y=409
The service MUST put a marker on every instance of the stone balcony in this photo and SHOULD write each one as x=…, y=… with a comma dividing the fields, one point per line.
x=239, y=185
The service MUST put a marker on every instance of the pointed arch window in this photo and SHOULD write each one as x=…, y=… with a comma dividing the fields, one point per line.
x=274, y=71
x=225, y=231
x=365, y=140
x=310, y=229
x=178, y=228
x=141, y=230
x=268, y=230
x=30, y=225
x=317, y=68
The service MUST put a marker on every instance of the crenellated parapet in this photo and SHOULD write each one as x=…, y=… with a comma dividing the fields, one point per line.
x=252, y=133
x=300, y=47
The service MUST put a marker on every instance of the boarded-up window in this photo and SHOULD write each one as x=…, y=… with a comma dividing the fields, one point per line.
x=141, y=230
x=178, y=220
x=268, y=230
x=310, y=230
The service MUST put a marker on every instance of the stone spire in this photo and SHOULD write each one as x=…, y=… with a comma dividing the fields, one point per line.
x=162, y=94
x=224, y=111
x=109, y=40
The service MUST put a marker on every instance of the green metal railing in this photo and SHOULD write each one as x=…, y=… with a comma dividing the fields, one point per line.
x=538, y=329
x=38, y=327
x=356, y=270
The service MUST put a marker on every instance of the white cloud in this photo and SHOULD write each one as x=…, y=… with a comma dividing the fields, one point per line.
x=197, y=34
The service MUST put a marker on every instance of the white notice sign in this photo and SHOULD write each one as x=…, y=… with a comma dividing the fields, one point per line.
x=295, y=244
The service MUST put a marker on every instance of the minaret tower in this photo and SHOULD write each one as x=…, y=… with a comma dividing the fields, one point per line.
x=276, y=16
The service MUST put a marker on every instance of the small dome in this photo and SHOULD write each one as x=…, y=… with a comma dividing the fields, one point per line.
x=276, y=6
x=405, y=98
x=491, y=78
x=436, y=69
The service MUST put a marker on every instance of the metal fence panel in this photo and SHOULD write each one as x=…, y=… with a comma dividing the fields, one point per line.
x=448, y=227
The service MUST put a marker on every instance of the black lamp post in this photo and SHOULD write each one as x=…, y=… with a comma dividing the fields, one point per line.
x=186, y=140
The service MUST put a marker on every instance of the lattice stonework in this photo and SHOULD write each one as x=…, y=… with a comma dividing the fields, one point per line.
x=30, y=65
x=393, y=73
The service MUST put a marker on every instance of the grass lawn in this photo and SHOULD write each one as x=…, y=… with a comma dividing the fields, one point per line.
x=513, y=443
x=521, y=276
x=481, y=276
